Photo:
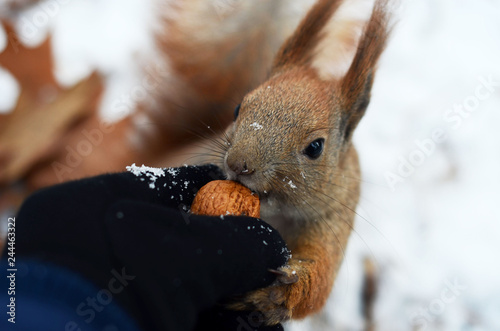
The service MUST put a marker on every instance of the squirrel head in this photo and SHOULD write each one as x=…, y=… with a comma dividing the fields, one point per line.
x=292, y=134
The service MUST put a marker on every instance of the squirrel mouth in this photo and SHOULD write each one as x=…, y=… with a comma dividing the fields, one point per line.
x=249, y=181
x=248, y=176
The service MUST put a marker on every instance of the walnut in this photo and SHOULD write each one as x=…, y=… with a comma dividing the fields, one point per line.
x=225, y=197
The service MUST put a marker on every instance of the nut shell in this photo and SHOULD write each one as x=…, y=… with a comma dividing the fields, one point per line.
x=225, y=197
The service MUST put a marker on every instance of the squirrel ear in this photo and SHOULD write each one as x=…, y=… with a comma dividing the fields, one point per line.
x=355, y=86
x=298, y=50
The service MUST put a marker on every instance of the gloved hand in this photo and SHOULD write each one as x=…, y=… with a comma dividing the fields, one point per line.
x=130, y=235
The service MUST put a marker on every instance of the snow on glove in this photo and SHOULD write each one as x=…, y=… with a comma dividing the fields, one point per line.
x=136, y=224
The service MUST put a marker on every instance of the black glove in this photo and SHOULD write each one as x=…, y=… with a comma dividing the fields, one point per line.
x=135, y=228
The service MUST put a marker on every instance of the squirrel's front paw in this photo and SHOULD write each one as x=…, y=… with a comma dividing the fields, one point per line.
x=275, y=302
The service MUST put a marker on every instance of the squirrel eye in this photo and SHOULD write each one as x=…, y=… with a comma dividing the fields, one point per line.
x=236, y=111
x=314, y=150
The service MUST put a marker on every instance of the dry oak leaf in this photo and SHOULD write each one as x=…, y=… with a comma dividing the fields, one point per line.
x=44, y=113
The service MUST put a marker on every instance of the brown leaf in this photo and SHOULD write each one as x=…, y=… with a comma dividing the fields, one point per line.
x=32, y=67
x=33, y=130
x=44, y=113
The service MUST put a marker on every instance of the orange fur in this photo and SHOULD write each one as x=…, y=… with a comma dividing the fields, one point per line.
x=296, y=107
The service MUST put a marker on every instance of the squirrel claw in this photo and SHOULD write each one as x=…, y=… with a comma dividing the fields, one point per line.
x=272, y=302
x=284, y=277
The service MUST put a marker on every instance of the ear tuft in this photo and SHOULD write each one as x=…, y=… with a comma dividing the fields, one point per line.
x=298, y=49
x=355, y=86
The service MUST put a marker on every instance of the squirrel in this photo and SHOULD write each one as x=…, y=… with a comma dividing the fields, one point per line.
x=291, y=143
x=291, y=138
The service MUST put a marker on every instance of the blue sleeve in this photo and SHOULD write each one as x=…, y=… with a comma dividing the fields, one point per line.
x=45, y=297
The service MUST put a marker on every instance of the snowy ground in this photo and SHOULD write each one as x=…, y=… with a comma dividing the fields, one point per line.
x=429, y=147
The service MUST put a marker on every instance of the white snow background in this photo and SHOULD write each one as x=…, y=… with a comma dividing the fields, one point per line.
x=435, y=235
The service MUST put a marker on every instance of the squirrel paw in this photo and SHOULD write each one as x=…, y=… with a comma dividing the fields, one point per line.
x=274, y=302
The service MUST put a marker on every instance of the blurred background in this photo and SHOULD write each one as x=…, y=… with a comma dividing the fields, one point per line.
x=79, y=95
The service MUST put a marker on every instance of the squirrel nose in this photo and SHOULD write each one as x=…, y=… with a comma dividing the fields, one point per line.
x=240, y=167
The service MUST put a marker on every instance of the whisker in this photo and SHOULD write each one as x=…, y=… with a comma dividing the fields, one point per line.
x=351, y=226
x=338, y=173
x=360, y=216
x=295, y=202
x=344, y=258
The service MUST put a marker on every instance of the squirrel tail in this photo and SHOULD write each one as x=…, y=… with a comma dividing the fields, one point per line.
x=214, y=52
